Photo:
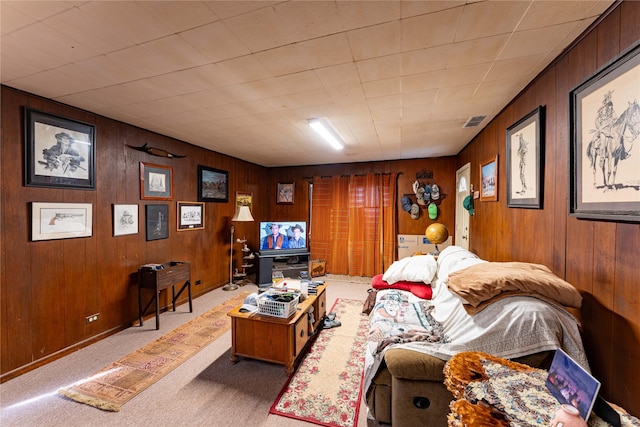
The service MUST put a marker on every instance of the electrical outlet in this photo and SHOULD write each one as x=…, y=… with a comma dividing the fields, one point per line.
x=198, y=282
x=92, y=318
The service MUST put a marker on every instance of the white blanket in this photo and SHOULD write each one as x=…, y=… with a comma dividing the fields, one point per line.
x=512, y=327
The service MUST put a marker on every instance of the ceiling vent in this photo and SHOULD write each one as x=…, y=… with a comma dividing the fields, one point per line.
x=474, y=121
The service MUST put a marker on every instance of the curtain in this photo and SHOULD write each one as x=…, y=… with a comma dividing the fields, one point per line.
x=353, y=223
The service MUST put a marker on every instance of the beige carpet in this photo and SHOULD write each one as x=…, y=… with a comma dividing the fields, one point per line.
x=119, y=382
x=326, y=387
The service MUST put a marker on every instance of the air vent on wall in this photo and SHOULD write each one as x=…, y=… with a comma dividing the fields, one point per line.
x=474, y=121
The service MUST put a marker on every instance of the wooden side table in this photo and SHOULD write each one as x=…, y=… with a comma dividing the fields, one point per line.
x=170, y=274
x=274, y=339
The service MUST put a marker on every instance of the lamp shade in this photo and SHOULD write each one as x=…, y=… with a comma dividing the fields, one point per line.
x=243, y=214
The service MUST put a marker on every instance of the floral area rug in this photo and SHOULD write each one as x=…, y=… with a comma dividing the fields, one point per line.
x=119, y=382
x=326, y=387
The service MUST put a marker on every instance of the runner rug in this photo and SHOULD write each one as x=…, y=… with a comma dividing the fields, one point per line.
x=326, y=387
x=116, y=384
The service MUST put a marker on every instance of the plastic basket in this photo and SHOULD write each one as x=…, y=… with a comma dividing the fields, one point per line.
x=269, y=307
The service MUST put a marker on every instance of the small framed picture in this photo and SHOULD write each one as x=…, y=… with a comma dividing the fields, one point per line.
x=285, y=193
x=190, y=216
x=125, y=219
x=213, y=184
x=157, y=222
x=244, y=199
x=61, y=220
x=59, y=152
x=156, y=182
x=525, y=161
x=489, y=180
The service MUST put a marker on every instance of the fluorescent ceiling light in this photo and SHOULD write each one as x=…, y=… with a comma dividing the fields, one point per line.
x=327, y=133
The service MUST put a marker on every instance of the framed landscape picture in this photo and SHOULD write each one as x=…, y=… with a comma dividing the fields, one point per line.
x=61, y=220
x=156, y=182
x=525, y=161
x=190, y=216
x=244, y=199
x=604, y=128
x=489, y=180
x=59, y=152
x=213, y=184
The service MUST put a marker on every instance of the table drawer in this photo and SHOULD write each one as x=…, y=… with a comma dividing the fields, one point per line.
x=301, y=335
x=172, y=275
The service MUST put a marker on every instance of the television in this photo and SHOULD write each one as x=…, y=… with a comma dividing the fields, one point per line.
x=283, y=238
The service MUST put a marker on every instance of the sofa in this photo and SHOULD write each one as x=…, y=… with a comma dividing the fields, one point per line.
x=411, y=337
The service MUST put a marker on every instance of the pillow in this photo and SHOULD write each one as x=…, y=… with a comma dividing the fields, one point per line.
x=482, y=282
x=419, y=289
x=454, y=258
x=419, y=268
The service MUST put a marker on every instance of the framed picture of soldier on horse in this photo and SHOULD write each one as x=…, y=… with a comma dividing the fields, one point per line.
x=605, y=132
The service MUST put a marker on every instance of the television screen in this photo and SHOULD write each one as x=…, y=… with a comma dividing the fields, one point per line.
x=285, y=236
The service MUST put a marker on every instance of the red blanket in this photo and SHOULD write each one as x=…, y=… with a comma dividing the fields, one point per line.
x=419, y=289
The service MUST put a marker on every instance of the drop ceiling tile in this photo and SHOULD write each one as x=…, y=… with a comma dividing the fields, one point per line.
x=422, y=60
x=349, y=94
x=484, y=19
x=227, y=9
x=384, y=87
x=84, y=27
x=380, y=68
x=385, y=102
x=372, y=42
x=12, y=19
x=360, y=14
x=476, y=51
x=338, y=75
x=414, y=8
x=215, y=41
x=39, y=10
x=434, y=29
x=42, y=37
x=308, y=55
x=422, y=81
x=465, y=75
x=540, y=41
x=246, y=68
x=195, y=79
x=450, y=94
x=510, y=68
x=173, y=53
x=556, y=12
x=109, y=71
x=177, y=17
x=129, y=19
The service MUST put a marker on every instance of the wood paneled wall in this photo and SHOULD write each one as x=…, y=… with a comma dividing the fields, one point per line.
x=600, y=258
x=443, y=168
x=49, y=287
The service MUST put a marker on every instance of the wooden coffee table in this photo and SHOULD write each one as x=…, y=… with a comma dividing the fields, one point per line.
x=274, y=339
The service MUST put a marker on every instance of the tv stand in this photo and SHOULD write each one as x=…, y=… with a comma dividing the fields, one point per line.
x=291, y=265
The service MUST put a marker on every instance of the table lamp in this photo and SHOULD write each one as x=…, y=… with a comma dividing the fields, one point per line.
x=243, y=214
x=436, y=233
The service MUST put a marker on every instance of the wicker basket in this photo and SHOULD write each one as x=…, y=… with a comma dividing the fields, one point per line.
x=269, y=307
